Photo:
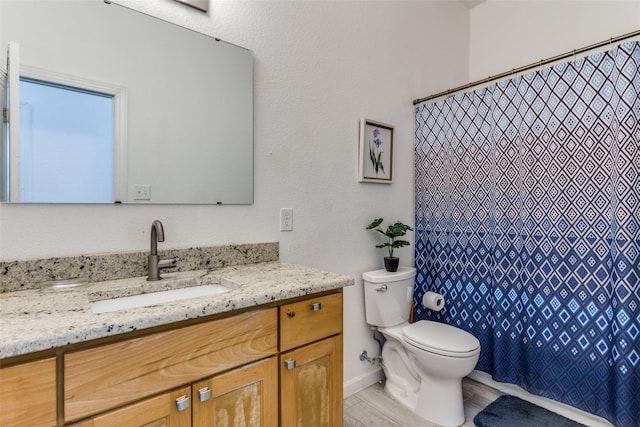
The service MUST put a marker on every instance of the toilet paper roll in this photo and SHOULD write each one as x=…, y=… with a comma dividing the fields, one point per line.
x=433, y=301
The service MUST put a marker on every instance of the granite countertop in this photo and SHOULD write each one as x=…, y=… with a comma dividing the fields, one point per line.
x=36, y=320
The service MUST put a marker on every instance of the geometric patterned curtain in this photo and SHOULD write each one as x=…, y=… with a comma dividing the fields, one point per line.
x=528, y=222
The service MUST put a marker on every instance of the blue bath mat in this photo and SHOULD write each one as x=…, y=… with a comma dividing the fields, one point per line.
x=510, y=411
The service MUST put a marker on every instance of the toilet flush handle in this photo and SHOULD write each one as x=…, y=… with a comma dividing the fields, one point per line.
x=382, y=288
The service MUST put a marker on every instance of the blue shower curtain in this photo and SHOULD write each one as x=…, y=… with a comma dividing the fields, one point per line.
x=528, y=222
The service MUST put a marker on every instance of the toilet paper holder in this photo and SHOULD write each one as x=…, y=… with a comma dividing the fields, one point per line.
x=433, y=301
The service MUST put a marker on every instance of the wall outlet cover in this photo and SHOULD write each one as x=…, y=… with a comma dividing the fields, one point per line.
x=286, y=219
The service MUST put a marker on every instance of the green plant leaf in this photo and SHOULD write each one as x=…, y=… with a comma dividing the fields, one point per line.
x=376, y=222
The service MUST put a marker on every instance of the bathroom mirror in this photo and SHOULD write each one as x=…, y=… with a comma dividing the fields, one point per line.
x=181, y=104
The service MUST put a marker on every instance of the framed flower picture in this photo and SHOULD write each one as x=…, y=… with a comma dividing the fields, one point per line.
x=375, y=162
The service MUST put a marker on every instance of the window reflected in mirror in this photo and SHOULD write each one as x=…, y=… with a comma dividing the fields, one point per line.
x=56, y=120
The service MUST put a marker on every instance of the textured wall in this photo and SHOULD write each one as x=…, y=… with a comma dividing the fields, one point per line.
x=514, y=33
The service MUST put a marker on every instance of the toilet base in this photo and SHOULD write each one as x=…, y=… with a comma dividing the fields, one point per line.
x=441, y=401
x=438, y=403
x=402, y=394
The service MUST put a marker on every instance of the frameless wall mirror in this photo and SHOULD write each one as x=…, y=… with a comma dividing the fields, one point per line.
x=106, y=104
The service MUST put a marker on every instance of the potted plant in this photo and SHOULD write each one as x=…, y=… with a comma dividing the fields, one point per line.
x=392, y=242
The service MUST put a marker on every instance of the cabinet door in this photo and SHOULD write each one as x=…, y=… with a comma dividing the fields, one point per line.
x=311, y=385
x=159, y=411
x=28, y=394
x=244, y=397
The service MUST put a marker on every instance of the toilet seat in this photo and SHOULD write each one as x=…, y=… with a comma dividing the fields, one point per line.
x=441, y=339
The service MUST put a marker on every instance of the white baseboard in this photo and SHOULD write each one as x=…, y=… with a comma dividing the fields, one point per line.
x=567, y=411
x=363, y=381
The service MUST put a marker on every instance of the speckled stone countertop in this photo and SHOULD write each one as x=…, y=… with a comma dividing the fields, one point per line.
x=36, y=320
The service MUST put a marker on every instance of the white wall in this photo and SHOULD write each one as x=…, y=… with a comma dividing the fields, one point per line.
x=507, y=34
x=319, y=67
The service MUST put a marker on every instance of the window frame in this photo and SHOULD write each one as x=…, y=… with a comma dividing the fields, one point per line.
x=119, y=96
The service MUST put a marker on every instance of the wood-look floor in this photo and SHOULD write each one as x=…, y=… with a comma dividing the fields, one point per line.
x=372, y=407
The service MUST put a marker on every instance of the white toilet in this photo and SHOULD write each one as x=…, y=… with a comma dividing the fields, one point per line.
x=423, y=362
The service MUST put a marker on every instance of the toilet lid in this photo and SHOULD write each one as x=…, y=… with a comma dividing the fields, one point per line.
x=440, y=338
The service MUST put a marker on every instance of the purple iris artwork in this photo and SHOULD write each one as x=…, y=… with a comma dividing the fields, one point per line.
x=375, y=163
x=375, y=152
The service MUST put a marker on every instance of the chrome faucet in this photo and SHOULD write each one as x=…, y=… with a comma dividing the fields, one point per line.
x=155, y=263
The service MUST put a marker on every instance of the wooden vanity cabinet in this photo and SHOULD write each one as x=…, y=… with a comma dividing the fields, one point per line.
x=311, y=369
x=28, y=394
x=269, y=367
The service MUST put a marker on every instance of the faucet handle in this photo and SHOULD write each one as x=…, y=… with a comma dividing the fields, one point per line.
x=168, y=262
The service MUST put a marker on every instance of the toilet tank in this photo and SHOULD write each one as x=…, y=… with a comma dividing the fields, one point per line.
x=388, y=296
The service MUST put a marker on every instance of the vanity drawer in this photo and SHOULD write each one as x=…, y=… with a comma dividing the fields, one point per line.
x=108, y=376
x=28, y=394
x=310, y=320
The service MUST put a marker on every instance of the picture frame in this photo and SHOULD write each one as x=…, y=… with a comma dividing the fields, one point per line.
x=375, y=160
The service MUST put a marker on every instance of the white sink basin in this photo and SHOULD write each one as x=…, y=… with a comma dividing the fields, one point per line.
x=152, y=298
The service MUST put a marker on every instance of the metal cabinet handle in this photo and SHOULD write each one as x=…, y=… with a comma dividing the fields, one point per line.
x=316, y=306
x=382, y=288
x=290, y=364
x=204, y=394
x=182, y=403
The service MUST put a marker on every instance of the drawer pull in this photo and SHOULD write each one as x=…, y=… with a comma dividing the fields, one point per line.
x=290, y=364
x=205, y=394
x=316, y=306
x=182, y=403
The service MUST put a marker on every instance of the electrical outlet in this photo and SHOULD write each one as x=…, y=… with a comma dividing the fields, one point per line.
x=286, y=219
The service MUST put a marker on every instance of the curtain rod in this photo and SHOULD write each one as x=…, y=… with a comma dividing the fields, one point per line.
x=528, y=67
